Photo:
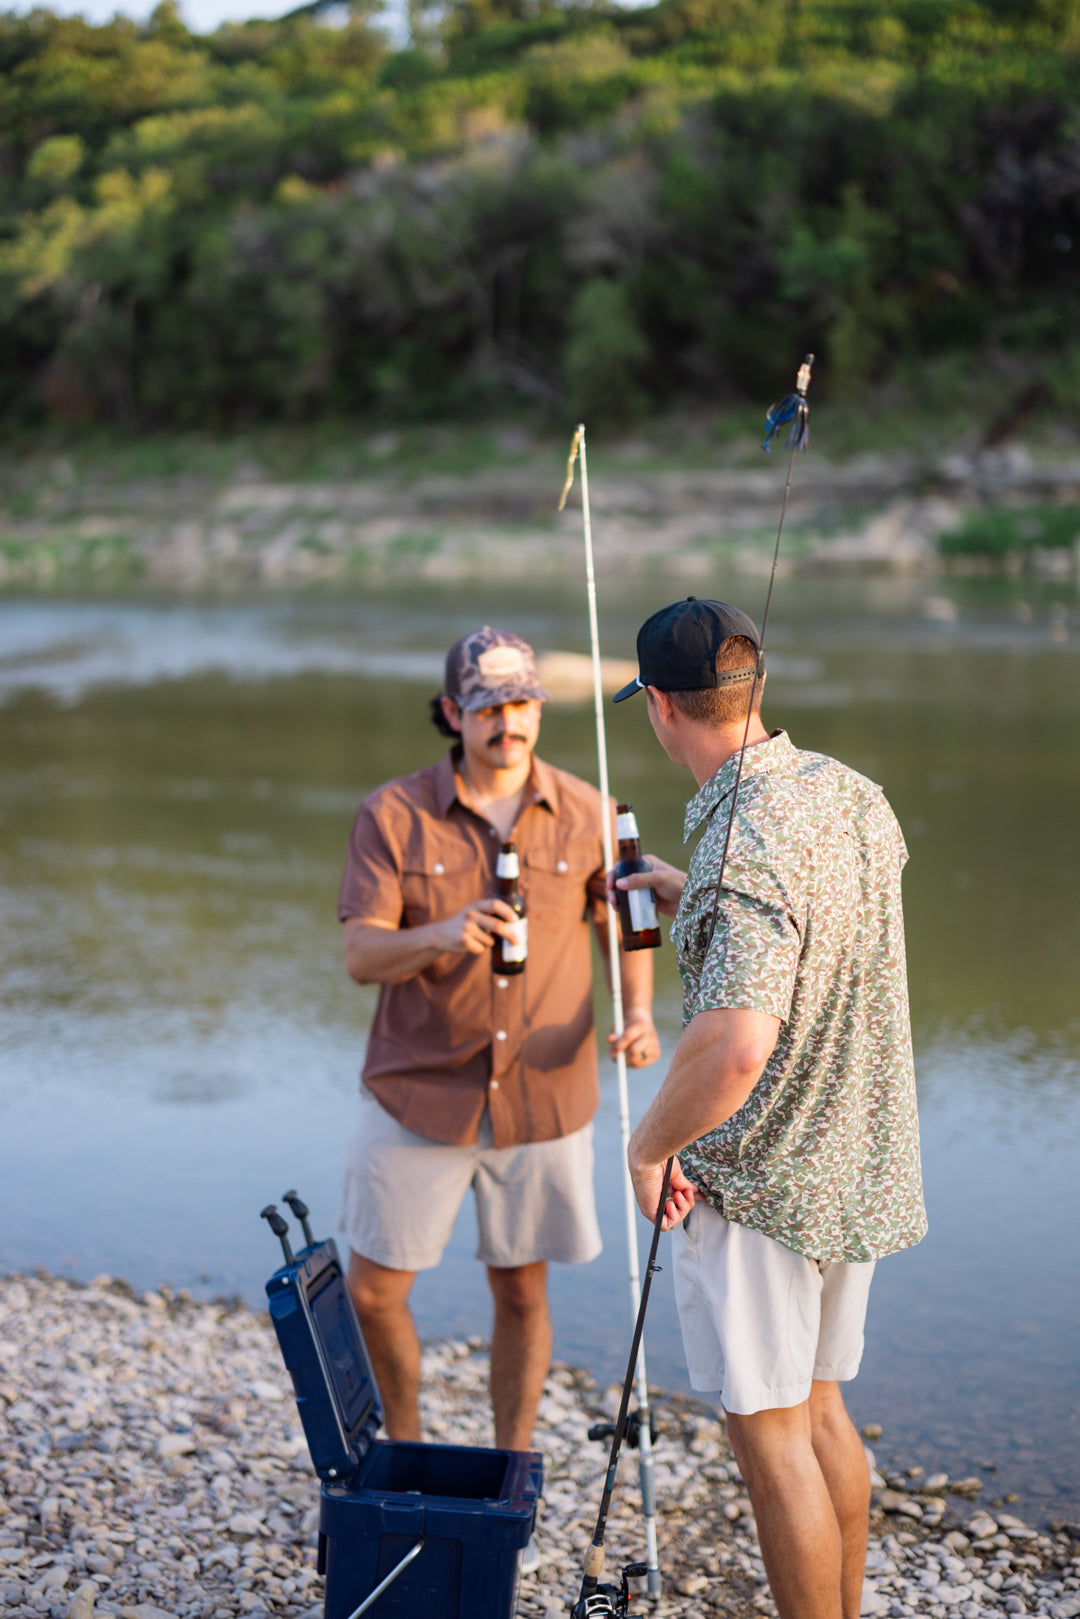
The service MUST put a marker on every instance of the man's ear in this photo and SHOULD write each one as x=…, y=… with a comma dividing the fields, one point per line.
x=661, y=702
x=451, y=713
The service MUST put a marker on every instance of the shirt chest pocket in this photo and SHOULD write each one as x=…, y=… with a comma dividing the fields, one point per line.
x=437, y=882
x=555, y=881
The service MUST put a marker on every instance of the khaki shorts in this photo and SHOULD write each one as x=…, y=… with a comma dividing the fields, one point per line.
x=402, y=1194
x=760, y=1322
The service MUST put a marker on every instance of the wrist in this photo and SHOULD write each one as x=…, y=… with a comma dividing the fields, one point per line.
x=636, y=1155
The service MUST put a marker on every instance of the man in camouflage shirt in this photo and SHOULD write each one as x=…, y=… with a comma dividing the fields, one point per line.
x=790, y=1098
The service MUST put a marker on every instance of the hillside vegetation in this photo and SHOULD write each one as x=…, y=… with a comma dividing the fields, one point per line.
x=569, y=207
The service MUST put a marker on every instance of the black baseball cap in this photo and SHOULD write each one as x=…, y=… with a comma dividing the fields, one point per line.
x=677, y=647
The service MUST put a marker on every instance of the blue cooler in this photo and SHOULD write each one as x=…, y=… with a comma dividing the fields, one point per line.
x=437, y=1531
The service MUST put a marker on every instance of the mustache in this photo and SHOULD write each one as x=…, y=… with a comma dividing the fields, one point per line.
x=506, y=736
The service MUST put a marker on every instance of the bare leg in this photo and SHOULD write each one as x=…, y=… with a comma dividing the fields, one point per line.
x=796, y=1522
x=381, y=1297
x=520, y=1351
x=843, y=1464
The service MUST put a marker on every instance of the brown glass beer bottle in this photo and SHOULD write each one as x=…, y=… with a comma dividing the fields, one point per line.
x=638, y=921
x=508, y=955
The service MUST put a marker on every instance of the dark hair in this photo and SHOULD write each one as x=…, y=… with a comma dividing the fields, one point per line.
x=720, y=705
x=440, y=721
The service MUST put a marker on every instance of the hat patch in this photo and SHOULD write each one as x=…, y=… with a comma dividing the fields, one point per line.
x=502, y=666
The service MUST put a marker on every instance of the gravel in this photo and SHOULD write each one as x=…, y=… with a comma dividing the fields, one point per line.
x=153, y=1467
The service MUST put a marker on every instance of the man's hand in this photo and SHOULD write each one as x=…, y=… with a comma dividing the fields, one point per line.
x=639, y=1040
x=473, y=930
x=383, y=953
x=667, y=883
x=648, y=1182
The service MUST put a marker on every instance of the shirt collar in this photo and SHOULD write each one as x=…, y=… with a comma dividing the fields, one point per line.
x=777, y=752
x=541, y=788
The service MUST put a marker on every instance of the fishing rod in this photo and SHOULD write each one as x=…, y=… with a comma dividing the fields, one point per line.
x=596, y=1601
x=643, y=1432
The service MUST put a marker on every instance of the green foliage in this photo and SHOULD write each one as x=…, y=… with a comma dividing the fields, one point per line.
x=56, y=161
x=605, y=353
x=573, y=204
x=1003, y=531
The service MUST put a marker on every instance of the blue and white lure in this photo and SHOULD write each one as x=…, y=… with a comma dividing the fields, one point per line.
x=792, y=408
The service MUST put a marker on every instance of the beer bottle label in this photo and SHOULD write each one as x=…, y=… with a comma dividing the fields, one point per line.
x=517, y=948
x=506, y=864
x=626, y=826
x=642, y=909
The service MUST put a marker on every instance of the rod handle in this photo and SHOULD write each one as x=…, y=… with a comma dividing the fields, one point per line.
x=594, y=1562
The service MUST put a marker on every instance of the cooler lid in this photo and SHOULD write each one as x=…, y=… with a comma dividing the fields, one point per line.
x=336, y=1393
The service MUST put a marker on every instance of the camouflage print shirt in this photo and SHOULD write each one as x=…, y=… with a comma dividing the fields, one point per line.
x=824, y=1155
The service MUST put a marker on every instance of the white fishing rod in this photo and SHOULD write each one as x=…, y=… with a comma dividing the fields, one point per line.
x=644, y=1430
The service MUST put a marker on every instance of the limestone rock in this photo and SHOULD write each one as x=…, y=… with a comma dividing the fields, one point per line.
x=82, y=1602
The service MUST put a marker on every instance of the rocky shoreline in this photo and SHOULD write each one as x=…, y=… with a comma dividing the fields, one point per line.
x=255, y=528
x=153, y=1467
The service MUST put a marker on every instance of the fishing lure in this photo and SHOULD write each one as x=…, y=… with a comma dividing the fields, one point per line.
x=792, y=408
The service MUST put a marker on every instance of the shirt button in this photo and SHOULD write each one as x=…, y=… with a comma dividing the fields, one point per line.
x=501, y=983
x=561, y=865
x=501, y=1034
x=494, y=1085
x=439, y=868
x=491, y=831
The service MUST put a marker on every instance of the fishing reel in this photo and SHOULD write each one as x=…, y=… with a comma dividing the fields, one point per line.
x=610, y=1601
x=605, y=1431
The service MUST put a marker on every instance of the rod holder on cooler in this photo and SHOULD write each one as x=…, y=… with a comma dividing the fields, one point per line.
x=280, y=1230
x=301, y=1211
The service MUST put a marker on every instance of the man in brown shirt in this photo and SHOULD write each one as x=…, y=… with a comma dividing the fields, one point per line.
x=474, y=1078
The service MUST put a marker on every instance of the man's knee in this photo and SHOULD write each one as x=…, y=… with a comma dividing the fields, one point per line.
x=828, y=1413
x=520, y=1289
x=770, y=1440
x=377, y=1290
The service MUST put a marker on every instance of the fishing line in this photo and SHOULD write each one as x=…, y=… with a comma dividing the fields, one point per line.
x=792, y=408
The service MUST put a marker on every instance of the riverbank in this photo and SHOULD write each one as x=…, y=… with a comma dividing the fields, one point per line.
x=190, y=516
x=154, y=1466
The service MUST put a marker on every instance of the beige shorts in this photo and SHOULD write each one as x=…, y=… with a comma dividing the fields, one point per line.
x=760, y=1322
x=402, y=1194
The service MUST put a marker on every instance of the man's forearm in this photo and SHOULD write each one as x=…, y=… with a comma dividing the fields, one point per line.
x=384, y=955
x=717, y=1063
x=636, y=971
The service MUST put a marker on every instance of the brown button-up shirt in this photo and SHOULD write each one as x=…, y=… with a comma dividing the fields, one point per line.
x=456, y=1038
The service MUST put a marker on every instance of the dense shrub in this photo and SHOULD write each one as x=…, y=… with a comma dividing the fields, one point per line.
x=584, y=207
x=1001, y=531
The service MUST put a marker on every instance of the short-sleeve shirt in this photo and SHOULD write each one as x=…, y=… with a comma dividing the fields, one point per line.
x=824, y=1154
x=457, y=1038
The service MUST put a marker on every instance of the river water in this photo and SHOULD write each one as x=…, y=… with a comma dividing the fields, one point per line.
x=180, y=1043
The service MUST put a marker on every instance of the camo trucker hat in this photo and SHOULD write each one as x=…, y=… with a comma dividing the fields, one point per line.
x=677, y=647
x=490, y=667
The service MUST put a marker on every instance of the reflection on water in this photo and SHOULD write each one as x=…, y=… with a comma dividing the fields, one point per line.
x=180, y=1042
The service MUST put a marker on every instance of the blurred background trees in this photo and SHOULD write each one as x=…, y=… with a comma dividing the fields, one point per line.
x=568, y=205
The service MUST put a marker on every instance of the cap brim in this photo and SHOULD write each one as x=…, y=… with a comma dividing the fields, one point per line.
x=628, y=691
x=496, y=696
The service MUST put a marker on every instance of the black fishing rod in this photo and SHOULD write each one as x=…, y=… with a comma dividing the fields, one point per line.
x=597, y=1601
